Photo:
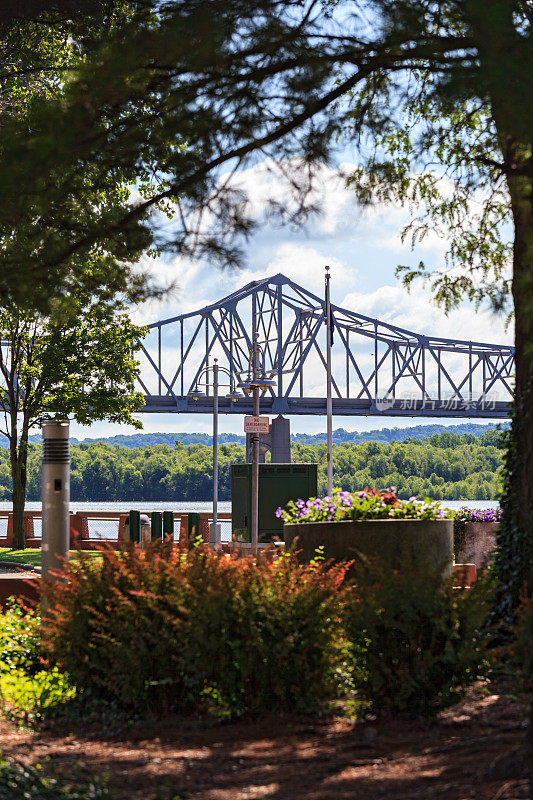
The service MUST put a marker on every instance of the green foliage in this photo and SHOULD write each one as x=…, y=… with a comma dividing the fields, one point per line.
x=463, y=467
x=77, y=363
x=422, y=90
x=18, y=781
x=183, y=630
x=42, y=52
x=366, y=504
x=19, y=640
x=27, y=691
x=483, y=434
x=416, y=639
x=28, y=699
x=438, y=155
x=467, y=469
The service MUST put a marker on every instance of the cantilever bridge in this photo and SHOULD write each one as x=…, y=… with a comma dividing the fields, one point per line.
x=378, y=369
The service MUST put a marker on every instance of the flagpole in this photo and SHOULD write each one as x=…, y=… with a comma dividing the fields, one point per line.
x=329, y=411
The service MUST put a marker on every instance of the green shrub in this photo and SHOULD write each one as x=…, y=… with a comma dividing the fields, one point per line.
x=29, y=698
x=18, y=781
x=170, y=629
x=416, y=641
x=27, y=691
x=19, y=639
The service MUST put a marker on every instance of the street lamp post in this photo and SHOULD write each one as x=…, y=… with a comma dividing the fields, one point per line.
x=255, y=449
x=216, y=527
x=195, y=393
x=329, y=414
x=256, y=381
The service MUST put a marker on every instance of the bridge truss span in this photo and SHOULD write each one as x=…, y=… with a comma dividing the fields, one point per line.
x=377, y=368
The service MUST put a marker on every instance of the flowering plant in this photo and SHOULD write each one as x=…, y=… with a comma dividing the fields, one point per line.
x=479, y=514
x=366, y=504
x=465, y=515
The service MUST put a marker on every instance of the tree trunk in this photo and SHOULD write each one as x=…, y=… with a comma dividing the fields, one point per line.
x=19, y=500
x=19, y=458
x=503, y=56
x=523, y=420
x=514, y=559
x=518, y=504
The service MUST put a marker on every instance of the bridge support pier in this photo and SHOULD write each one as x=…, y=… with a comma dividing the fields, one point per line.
x=277, y=440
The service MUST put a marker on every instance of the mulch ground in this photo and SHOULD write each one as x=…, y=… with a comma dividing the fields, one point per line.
x=473, y=750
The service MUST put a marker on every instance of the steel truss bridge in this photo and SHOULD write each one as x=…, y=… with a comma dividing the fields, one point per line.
x=378, y=369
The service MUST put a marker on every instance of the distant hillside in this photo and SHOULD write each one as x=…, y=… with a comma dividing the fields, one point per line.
x=384, y=435
x=149, y=439
x=339, y=436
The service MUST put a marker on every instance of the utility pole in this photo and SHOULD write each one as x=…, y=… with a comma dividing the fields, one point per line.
x=329, y=408
x=255, y=448
x=214, y=534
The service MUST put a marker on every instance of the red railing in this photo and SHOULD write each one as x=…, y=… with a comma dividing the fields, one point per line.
x=79, y=527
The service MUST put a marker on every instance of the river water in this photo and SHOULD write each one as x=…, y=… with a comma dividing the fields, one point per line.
x=123, y=506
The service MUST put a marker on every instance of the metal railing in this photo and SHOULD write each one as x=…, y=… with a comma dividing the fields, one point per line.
x=89, y=527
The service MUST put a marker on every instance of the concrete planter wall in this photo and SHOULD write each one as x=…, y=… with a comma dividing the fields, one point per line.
x=425, y=544
x=476, y=544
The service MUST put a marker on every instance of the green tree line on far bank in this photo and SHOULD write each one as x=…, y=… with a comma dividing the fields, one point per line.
x=445, y=467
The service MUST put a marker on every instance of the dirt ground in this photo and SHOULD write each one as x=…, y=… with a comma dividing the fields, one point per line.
x=472, y=750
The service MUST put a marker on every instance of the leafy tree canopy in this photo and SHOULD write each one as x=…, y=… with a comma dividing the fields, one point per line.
x=170, y=96
x=49, y=195
x=79, y=364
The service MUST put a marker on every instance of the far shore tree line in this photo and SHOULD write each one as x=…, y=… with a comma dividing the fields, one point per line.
x=444, y=467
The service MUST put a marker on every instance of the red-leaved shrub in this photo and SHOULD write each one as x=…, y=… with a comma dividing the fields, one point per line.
x=171, y=629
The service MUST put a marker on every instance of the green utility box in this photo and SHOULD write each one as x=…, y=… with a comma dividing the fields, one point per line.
x=278, y=483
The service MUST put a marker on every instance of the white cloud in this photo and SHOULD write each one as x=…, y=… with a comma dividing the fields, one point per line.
x=417, y=312
x=363, y=245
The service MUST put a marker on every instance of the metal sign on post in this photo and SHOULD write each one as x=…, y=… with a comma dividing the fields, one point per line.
x=253, y=424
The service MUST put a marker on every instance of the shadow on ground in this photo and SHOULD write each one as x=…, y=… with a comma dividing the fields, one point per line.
x=300, y=758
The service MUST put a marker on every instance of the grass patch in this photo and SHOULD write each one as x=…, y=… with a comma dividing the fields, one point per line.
x=32, y=555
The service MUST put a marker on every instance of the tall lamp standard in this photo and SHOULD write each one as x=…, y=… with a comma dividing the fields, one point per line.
x=329, y=411
x=256, y=381
x=233, y=395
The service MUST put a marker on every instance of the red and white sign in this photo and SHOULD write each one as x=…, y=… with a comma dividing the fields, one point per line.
x=256, y=424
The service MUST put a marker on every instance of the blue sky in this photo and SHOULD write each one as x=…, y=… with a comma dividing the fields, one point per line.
x=363, y=248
